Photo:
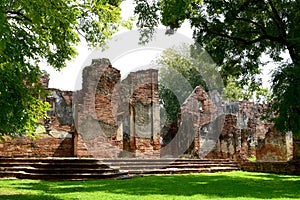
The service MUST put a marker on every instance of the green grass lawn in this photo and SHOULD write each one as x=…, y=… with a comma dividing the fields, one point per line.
x=232, y=185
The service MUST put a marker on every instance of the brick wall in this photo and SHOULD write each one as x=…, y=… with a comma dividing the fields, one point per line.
x=141, y=117
x=243, y=132
x=201, y=111
x=116, y=116
x=96, y=110
x=55, y=140
x=274, y=146
x=248, y=134
x=61, y=112
x=46, y=146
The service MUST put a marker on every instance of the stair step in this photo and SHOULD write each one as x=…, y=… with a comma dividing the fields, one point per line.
x=182, y=170
x=49, y=160
x=44, y=164
x=174, y=166
x=73, y=176
x=157, y=162
x=60, y=170
x=9, y=174
x=166, y=160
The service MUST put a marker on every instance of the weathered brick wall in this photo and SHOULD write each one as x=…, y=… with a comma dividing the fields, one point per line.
x=226, y=145
x=46, y=146
x=80, y=148
x=274, y=146
x=56, y=139
x=97, y=110
x=141, y=118
x=116, y=116
x=200, y=109
x=44, y=80
x=296, y=148
x=244, y=133
x=61, y=112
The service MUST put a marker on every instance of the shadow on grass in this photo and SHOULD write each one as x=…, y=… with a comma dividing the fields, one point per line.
x=229, y=185
x=28, y=197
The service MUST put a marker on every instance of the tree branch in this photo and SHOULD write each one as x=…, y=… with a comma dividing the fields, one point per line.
x=17, y=13
x=277, y=20
x=245, y=42
x=240, y=39
x=79, y=32
x=262, y=28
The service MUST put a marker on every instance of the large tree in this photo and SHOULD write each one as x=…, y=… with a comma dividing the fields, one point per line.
x=179, y=74
x=35, y=31
x=237, y=34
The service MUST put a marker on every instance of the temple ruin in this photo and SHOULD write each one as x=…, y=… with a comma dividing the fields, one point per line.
x=114, y=118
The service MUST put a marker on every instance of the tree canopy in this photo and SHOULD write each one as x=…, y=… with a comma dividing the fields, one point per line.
x=253, y=91
x=35, y=31
x=237, y=34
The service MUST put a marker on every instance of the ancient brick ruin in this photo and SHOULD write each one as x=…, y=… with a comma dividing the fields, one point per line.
x=243, y=134
x=118, y=118
x=111, y=118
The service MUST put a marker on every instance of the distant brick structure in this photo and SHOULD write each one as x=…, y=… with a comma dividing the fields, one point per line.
x=243, y=133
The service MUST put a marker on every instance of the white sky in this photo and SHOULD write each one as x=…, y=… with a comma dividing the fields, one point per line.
x=67, y=78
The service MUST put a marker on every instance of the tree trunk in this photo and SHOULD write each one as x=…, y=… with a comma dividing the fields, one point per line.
x=295, y=162
x=296, y=154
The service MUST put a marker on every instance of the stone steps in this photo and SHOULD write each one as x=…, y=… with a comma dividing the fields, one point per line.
x=171, y=166
x=49, y=160
x=128, y=168
x=55, y=165
x=88, y=168
x=61, y=170
x=182, y=171
x=72, y=176
x=57, y=169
